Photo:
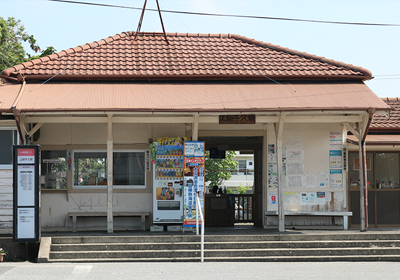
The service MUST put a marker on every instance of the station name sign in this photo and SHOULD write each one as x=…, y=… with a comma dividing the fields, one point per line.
x=237, y=119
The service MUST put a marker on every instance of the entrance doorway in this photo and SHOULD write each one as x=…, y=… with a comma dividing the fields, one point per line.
x=237, y=200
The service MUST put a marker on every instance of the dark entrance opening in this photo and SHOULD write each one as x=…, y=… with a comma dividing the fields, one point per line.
x=227, y=209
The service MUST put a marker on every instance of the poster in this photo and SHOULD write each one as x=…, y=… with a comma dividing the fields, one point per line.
x=193, y=170
x=295, y=168
x=336, y=177
x=26, y=223
x=335, y=140
x=335, y=158
x=295, y=155
x=272, y=175
x=26, y=185
x=328, y=196
x=271, y=154
x=290, y=198
x=323, y=179
x=321, y=198
x=294, y=141
x=273, y=198
x=311, y=181
x=308, y=198
x=167, y=155
x=339, y=196
x=294, y=181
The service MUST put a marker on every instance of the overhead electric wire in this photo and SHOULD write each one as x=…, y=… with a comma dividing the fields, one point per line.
x=229, y=15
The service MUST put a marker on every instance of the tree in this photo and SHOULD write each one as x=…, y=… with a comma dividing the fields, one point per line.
x=218, y=170
x=12, y=35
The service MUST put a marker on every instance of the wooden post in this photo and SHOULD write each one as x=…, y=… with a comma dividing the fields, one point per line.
x=110, y=179
x=264, y=174
x=195, y=128
x=278, y=134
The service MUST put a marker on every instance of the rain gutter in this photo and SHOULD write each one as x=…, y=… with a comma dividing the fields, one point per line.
x=17, y=112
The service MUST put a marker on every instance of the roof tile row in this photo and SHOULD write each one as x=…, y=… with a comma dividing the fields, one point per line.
x=192, y=54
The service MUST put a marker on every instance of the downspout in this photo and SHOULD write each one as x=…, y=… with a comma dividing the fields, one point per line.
x=371, y=113
x=17, y=112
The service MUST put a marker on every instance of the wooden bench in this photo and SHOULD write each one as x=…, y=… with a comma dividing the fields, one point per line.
x=345, y=215
x=75, y=216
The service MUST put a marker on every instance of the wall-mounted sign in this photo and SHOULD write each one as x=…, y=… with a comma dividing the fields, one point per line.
x=26, y=193
x=237, y=119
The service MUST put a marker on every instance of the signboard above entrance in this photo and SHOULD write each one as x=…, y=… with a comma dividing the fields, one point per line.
x=237, y=119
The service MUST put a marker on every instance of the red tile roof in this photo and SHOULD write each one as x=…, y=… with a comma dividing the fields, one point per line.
x=382, y=122
x=194, y=56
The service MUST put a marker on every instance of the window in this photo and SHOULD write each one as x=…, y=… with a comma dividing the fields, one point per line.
x=387, y=170
x=90, y=169
x=354, y=173
x=54, y=170
x=8, y=138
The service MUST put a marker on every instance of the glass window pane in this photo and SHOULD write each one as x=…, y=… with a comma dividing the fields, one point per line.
x=387, y=170
x=6, y=145
x=354, y=174
x=90, y=168
x=129, y=168
x=54, y=169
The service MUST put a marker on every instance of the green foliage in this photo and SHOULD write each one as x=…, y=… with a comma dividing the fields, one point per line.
x=12, y=35
x=218, y=170
x=229, y=191
x=242, y=189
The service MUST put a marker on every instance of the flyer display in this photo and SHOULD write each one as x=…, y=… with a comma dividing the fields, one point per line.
x=193, y=180
x=26, y=193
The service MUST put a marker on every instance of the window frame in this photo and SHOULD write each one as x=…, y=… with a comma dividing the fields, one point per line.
x=16, y=141
x=99, y=187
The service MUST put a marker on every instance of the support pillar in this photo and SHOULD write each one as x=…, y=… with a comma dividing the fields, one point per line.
x=110, y=179
x=278, y=134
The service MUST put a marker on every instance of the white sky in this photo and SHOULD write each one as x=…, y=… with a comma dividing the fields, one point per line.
x=377, y=49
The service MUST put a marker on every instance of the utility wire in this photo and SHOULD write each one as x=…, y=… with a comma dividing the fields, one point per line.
x=228, y=15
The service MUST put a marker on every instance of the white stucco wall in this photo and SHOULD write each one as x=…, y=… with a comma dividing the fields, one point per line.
x=6, y=201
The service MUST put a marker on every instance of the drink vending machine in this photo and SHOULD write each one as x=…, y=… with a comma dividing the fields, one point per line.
x=168, y=181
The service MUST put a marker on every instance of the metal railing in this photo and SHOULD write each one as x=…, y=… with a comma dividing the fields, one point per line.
x=199, y=212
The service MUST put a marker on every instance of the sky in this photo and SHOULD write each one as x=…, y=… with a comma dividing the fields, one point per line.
x=377, y=49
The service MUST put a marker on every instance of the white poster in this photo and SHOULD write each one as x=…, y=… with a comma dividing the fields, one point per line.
x=323, y=179
x=26, y=185
x=294, y=181
x=290, y=198
x=294, y=141
x=335, y=158
x=311, y=181
x=339, y=196
x=26, y=223
x=335, y=140
x=308, y=198
x=321, y=198
x=272, y=175
x=336, y=177
x=273, y=198
x=295, y=168
x=271, y=153
x=295, y=155
x=328, y=196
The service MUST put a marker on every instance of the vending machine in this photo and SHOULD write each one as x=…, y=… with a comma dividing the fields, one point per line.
x=168, y=181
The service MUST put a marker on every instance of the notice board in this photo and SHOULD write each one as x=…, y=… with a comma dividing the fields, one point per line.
x=26, y=193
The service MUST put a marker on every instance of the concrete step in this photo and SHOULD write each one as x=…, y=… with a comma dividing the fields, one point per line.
x=223, y=238
x=125, y=254
x=236, y=248
x=223, y=245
